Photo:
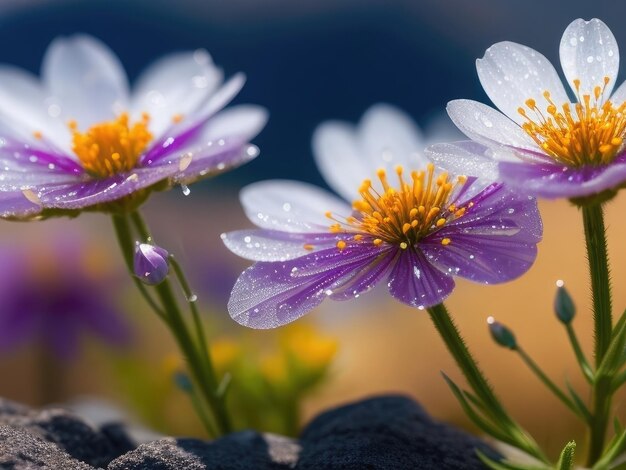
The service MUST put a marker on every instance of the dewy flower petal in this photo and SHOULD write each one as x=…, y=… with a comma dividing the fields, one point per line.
x=80, y=139
x=550, y=147
x=151, y=263
x=412, y=224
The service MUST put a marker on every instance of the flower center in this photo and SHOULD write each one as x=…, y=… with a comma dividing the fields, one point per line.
x=404, y=215
x=587, y=133
x=112, y=147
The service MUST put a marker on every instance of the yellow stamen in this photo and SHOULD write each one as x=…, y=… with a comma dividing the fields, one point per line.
x=589, y=133
x=176, y=118
x=111, y=147
x=308, y=247
x=445, y=241
x=37, y=135
x=341, y=244
x=404, y=214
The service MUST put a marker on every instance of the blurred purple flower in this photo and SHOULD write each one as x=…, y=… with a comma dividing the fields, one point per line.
x=417, y=233
x=546, y=145
x=80, y=139
x=53, y=296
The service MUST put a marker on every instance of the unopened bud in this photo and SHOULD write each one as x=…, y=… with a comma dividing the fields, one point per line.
x=183, y=382
x=563, y=304
x=501, y=334
x=151, y=263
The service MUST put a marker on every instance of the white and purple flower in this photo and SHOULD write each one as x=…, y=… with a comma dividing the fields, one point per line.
x=547, y=145
x=80, y=139
x=417, y=232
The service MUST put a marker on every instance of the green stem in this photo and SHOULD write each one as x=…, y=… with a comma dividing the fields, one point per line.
x=547, y=382
x=595, y=239
x=580, y=356
x=456, y=346
x=202, y=374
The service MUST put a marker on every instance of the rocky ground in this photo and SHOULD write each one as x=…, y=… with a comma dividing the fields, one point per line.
x=388, y=432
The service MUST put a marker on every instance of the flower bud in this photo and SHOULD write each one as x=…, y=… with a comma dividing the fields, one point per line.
x=501, y=334
x=151, y=263
x=183, y=382
x=563, y=304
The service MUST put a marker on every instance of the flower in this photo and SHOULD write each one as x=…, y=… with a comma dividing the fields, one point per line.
x=54, y=295
x=79, y=139
x=546, y=145
x=417, y=232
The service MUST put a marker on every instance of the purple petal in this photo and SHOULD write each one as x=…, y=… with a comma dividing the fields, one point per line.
x=495, y=241
x=275, y=245
x=17, y=205
x=555, y=181
x=365, y=279
x=98, y=191
x=151, y=263
x=416, y=282
x=268, y=295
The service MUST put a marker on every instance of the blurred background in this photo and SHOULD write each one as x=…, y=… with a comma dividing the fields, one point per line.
x=306, y=62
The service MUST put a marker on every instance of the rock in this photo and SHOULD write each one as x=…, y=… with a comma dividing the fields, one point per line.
x=21, y=449
x=68, y=432
x=389, y=432
x=239, y=451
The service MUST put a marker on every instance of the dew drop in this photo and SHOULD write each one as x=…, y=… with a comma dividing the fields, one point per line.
x=573, y=41
x=589, y=59
x=193, y=298
x=185, y=189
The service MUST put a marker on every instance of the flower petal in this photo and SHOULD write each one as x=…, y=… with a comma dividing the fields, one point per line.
x=268, y=295
x=291, y=206
x=175, y=86
x=243, y=122
x=416, y=282
x=589, y=53
x=511, y=74
x=487, y=126
x=464, y=158
x=87, y=79
x=495, y=241
x=274, y=245
x=178, y=136
x=384, y=138
x=16, y=205
x=555, y=181
x=83, y=194
x=24, y=109
x=339, y=159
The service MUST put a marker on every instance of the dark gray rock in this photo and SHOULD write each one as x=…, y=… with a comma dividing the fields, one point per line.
x=67, y=431
x=21, y=449
x=389, y=432
x=239, y=451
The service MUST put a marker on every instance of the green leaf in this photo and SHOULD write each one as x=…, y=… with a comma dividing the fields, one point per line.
x=507, y=465
x=475, y=416
x=566, y=460
x=579, y=404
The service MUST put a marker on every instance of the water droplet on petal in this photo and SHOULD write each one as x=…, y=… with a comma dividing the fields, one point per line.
x=185, y=189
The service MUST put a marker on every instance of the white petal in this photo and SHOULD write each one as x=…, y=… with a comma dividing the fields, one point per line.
x=384, y=138
x=243, y=121
x=389, y=137
x=222, y=96
x=86, y=78
x=619, y=96
x=484, y=124
x=339, y=159
x=272, y=245
x=291, y=206
x=24, y=109
x=464, y=158
x=589, y=53
x=175, y=85
x=511, y=73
